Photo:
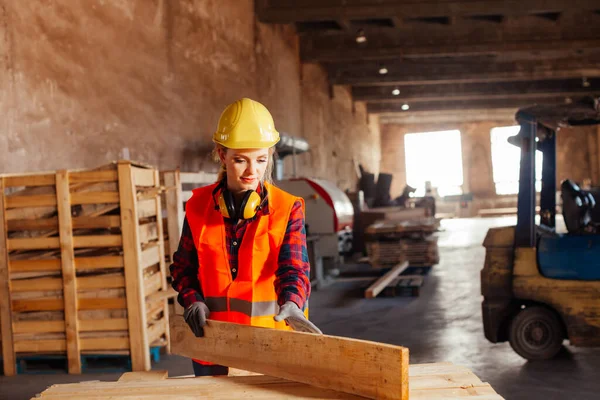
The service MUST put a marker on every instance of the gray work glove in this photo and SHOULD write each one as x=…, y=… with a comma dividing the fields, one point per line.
x=195, y=316
x=291, y=313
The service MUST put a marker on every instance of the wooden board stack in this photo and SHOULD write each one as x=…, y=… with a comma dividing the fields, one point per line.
x=391, y=242
x=82, y=266
x=426, y=382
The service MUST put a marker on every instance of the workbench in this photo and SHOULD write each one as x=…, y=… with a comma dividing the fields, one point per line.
x=426, y=381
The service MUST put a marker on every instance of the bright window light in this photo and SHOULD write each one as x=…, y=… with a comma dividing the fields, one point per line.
x=435, y=157
x=506, y=160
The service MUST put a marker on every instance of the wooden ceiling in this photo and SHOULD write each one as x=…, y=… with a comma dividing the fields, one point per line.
x=425, y=55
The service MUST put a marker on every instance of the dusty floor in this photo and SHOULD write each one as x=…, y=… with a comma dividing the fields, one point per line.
x=443, y=324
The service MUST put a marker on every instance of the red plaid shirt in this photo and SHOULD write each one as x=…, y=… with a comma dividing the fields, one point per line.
x=292, y=280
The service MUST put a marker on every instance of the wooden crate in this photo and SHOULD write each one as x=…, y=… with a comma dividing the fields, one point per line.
x=179, y=186
x=178, y=190
x=82, y=266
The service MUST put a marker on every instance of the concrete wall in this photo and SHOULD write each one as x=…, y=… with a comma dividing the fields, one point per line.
x=577, y=157
x=83, y=81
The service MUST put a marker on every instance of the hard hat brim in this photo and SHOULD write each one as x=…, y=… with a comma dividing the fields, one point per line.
x=248, y=145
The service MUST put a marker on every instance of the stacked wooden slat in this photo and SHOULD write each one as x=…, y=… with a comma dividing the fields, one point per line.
x=82, y=266
x=391, y=242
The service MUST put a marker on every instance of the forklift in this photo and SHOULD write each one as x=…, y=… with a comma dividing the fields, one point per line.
x=541, y=286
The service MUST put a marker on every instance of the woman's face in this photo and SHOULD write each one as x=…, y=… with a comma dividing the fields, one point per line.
x=245, y=167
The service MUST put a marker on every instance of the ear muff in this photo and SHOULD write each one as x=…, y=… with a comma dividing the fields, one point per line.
x=248, y=206
x=226, y=204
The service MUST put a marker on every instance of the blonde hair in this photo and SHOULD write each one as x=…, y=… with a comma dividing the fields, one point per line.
x=222, y=174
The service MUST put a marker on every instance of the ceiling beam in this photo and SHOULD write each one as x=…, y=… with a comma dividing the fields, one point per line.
x=288, y=11
x=457, y=73
x=446, y=105
x=494, y=90
x=504, y=115
x=315, y=50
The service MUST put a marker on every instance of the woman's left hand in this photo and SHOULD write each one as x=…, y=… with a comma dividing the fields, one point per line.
x=291, y=313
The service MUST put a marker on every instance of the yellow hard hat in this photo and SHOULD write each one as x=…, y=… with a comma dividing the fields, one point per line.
x=246, y=124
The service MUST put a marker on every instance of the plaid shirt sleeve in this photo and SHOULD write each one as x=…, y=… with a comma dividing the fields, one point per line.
x=184, y=269
x=292, y=278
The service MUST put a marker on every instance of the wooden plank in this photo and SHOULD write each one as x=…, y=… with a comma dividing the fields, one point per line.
x=150, y=256
x=243, y=384
x=381, y=283
x=105, y=344
x=94, y=198
x=282, y=13
x=142, y=176
x=107, y=221
x=93, y=176
x=163, y=294
x=38, y=326
x=67, y=253
x=33, y=285
x=197, y=177
x=156, y=330
x=8, y=351
x=148, y=232
x=140, y=357
x=33, y=244
x=32, y=224
x=109, y=324
x=39, y=200
x=29, y=180
x=102, y=303
x=153, y=284
x=40, y=346
x=109, y=281
x=43, y=304
x=97, y=241
x=145, y=376
x=163, y=267
x=99, y=262
x=146, y=208
x=174, y=206
x=369, y=369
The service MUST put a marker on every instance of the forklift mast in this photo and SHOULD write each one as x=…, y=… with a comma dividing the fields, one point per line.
x=533, y=136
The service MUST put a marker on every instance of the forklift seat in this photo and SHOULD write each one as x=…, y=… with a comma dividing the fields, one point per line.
x=577, y=206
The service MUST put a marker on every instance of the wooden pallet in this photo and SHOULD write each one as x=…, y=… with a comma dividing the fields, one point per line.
x=82, y=265
x=426, y=382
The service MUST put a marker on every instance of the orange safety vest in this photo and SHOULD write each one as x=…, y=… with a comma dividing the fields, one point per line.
x=250, y=299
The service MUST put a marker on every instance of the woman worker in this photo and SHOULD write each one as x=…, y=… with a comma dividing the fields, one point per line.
x=242, y=256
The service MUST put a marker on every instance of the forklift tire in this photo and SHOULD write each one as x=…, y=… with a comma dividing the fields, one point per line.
x=536, y=333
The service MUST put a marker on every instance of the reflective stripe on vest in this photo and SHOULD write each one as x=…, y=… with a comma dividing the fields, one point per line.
x=251, y=309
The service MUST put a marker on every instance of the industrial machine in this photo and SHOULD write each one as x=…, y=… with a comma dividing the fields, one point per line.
x=329, y=213
x=539, y=286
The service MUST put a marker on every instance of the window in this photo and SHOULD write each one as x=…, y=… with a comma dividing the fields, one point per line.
x=506, y=160
x=435, y=157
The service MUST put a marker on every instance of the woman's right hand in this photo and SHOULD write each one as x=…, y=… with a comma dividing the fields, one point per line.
x=196, y=315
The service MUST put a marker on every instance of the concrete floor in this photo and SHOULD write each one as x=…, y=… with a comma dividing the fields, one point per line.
x=443, y=324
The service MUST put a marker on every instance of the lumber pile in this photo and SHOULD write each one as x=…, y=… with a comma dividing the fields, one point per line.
x=82, y=266
x=391, y=242
x=427, y=382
